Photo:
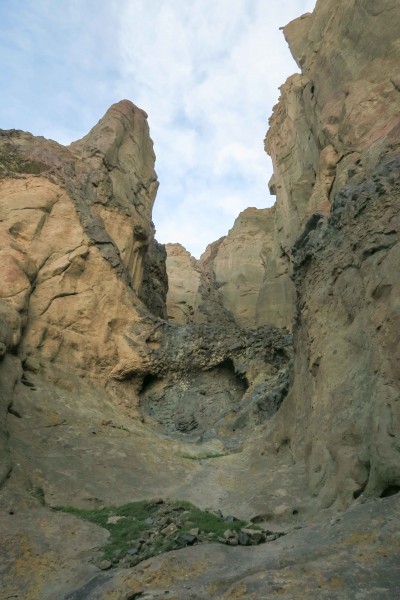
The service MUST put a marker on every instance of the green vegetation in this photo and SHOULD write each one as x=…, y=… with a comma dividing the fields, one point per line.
x=207, y=522
x=38, y=493
x=139, y=525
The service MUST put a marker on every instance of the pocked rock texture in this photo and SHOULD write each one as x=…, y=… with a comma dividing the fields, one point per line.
x=328, y=257
x=104, y=401
x=334, y=140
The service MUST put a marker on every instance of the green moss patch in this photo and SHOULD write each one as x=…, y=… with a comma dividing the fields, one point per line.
x=139, y=530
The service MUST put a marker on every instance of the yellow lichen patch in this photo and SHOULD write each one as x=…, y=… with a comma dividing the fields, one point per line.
x=33, y=566
x=357, y=539
x=171, y=572
x=238, y=592
x=124, y=585
x=335, y=582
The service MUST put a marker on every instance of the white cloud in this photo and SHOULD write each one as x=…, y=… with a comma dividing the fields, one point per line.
x=206, y=71
x=211, y=69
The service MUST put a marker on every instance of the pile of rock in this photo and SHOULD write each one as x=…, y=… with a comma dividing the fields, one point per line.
x=248, y=536
x=173, y=526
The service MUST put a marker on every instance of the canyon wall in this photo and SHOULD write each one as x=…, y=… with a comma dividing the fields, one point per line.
x=110, y=393
x=83, y=299
x=334, y=140
x=75, y=224
x=239, y=278
x=324, y=259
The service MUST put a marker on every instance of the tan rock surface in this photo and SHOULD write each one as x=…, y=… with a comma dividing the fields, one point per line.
x=101, y=401
x=69, y=237
x=237, y=279
x=58, y=264
x=240, y=262
x=183, y=284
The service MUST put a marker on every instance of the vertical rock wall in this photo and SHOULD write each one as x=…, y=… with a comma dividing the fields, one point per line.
x=334, y=141
x=76, y=252
x=327, y=254
x=228, y=284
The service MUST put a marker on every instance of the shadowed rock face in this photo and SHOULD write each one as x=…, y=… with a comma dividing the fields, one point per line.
x=104, y=401
x=334, y=140
x=326, y=263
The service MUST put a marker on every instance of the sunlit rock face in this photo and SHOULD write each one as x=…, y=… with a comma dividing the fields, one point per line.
x=238, y=279
x=183, y=284
x=76, y=248
x=76, y=222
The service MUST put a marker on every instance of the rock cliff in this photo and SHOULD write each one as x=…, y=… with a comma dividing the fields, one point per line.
x=95, y=384
x=113, y=394
x=334, y=140
x=323, y=259
x=75, y=224
x=232, y=280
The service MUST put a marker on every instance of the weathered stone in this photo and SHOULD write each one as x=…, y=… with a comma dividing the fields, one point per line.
x=114, y=519
x=256, y=536
x=171, y=528
x=183, y=285
x=334, y=141
x=233, y=280
x=244, y=539
x=228, y=534
x=233, y=542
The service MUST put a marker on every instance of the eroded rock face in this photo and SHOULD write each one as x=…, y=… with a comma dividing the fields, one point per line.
x=325, y=255
x=75, y=233
x=333, y=120
x=215, y=381
x=232, y=281
x=240, y=262
x=346, y=381
x=183, y=285
x=334, y=141
x=82, y=296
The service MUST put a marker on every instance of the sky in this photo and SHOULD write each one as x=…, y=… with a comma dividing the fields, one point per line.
x=207, y=72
